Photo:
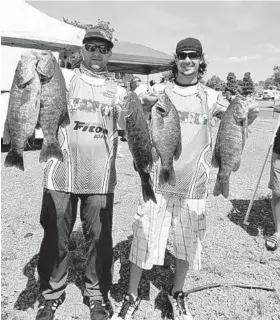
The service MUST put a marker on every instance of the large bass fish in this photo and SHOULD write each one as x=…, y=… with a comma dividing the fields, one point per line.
x=53, y=105
x=166, y=138
x=139, y=143
x=229, y=145
x=37, y=99
x=23, y=109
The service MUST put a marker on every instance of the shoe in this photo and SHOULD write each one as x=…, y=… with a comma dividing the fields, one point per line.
x=178, y=307
x=272, y=242
x=48, y=308
x=128, y=307
x=99, y=310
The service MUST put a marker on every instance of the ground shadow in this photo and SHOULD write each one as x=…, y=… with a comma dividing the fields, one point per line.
x=260, y=218
x=160, y=276
x=28, y=297
x=31, y=294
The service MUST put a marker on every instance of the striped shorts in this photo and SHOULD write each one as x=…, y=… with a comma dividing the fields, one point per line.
x=183, y=219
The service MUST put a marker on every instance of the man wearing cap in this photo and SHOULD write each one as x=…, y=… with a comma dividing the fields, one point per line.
x=180, y=209
x=87, y=174
x=135, y=82
x=137, y=87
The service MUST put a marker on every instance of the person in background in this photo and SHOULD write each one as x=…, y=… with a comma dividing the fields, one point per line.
x=135, y=82
x=273, y=242
x=139, y=88
x=180, y=208
x=152, y=83
x=87, y=173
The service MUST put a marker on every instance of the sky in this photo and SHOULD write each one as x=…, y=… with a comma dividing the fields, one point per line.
x=237, y=36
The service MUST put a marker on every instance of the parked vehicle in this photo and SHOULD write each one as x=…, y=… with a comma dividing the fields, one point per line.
x=271, y=94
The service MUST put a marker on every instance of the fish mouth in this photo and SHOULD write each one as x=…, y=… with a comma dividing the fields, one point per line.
x=44, y=79
x=242, y=121
x=161, y=111
x=24, y=85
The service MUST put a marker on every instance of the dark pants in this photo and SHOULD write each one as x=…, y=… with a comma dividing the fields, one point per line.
x=58, y=216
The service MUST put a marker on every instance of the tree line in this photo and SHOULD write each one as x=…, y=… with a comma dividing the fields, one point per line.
x=245, y=86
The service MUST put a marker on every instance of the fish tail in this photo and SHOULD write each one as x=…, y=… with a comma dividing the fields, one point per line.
x=221, y=187
x=167, y=175
x=13, y=159
x=147, y=188
x=52, y=150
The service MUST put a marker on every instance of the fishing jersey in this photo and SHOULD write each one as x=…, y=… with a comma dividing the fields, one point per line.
x=89, y=143
x=196, y=105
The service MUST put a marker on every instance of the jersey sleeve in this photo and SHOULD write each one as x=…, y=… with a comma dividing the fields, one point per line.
x=119, y=102
x=217, y=103
x=68, y=75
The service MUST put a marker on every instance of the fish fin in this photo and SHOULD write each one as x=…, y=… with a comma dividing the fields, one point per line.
x=147, y=188
x=236, y=167
x=52, y=150
x=13, y=159
x=167, y=175
x=221, y=187
x=25, y=96
x=215, y=162
x=178, y=151
x=30, y=141
x=6, y=134
x=155, y=155
x=134, y=166
x=225, y=189
x=66, y=120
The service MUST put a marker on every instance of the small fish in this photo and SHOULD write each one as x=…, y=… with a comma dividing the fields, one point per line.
x=139, y=143
x=53, y=105
x=166, y=138
x=23, y=109
x=230, y=143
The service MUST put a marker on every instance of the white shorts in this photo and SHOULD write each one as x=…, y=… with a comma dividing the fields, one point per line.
x=151, y=227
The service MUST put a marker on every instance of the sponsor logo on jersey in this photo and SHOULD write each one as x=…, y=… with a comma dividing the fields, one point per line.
x=192, y=117
x=90, y=106
x=98, y=131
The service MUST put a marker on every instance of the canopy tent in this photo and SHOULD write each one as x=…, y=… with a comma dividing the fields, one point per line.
x=26, y=27
x=136, y=58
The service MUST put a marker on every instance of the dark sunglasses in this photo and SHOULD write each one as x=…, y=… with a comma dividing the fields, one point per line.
x=191, y=55
x=90, y=47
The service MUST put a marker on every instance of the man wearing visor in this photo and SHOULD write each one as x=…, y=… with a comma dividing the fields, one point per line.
x=87, y=174
x=180, y=209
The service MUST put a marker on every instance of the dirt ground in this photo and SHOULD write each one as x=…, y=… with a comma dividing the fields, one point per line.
x=232, y=252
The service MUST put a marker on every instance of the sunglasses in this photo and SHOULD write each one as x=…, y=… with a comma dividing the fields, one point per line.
x=191, y=55
x=90, y=47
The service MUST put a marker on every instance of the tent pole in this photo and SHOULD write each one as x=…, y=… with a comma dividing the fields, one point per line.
x=147, y=82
